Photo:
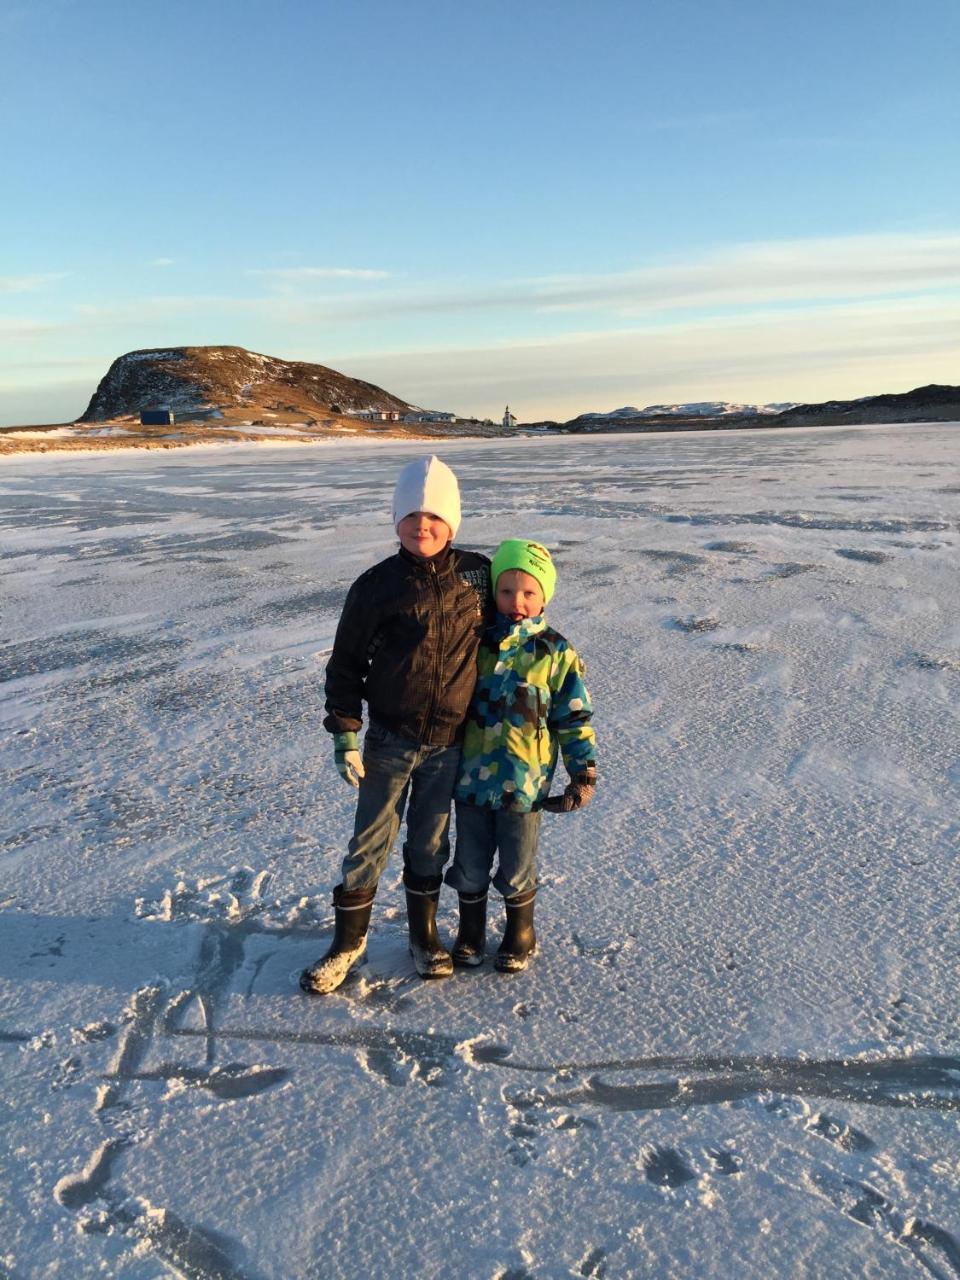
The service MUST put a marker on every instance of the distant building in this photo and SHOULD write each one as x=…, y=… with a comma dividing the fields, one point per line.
x=156, y=418
x=374, y=415
x=509, y=421
x=430, y=415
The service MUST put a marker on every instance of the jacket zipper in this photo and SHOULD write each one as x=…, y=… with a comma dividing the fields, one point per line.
x=438, y=670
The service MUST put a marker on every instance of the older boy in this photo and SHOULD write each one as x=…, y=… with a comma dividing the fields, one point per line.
x=406, y=644
x=529, y=702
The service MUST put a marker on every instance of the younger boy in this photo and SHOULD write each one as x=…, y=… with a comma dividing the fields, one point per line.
x=529, y=701
x=406, y=644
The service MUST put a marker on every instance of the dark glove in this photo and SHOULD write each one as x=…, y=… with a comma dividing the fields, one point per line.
x=577, y=794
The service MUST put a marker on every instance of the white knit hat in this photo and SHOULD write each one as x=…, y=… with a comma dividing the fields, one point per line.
x=428, y=485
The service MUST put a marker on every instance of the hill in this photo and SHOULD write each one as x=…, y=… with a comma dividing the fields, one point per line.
x=211, y=381
x=933, y=403
x=228, y=394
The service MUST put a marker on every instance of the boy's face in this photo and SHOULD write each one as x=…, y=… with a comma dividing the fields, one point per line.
x=423, y=534
x=519, y=595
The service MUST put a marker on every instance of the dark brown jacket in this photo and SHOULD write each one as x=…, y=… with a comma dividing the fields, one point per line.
x=406, y=644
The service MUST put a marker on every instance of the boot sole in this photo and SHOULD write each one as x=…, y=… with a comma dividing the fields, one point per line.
x=429, y=973
x=513, y=964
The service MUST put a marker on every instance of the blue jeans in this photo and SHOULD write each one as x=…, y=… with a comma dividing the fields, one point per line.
x=398, y=770
x=483, y=832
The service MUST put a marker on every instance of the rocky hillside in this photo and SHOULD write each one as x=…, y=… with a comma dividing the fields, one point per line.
x=934, y=403
x=205, y=380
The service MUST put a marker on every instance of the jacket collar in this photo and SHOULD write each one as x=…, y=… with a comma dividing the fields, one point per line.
x=503, y=628
x=436, y=564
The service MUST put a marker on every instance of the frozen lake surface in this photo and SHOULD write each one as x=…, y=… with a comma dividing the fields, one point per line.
x=737, y=1052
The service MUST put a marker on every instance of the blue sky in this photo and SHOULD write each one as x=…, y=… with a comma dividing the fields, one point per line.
x=560, y=205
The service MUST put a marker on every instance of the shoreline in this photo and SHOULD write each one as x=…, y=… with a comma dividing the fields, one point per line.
x=101, y=448
x=66, y=438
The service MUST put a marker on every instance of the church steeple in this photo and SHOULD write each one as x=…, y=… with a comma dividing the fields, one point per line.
x=509, y=421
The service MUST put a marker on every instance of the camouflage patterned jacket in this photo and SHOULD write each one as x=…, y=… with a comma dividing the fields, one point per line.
x=530, y=701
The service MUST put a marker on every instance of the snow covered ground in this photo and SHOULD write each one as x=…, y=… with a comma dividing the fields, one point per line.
x=737, y=1053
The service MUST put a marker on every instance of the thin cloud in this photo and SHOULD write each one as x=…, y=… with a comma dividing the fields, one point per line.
x=27, y=284
x=763, y=274
x=759, y=273
x=66, y=363
x=16, y=328
x=765, y=271
x=293, y=274
x=162, y=262
x=162, y=306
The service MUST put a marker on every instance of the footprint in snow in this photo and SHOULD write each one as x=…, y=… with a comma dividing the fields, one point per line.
x=933, y=662
x=602, y=950
x=844, y=1136
x=890, y=1018
x=665, y=1167
x=865, y=557
x=530, y=1120
x=790, y=570
x=723, y=1162
x=732, y=548
x=593, y=1265
x=695, y=626
x=932, y=1245
x=229, y=1083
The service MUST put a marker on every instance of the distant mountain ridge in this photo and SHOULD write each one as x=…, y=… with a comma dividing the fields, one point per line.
x=933, y=403
x=210, y=380
x=695, y=409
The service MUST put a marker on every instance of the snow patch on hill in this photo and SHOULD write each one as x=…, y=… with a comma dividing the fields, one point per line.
x=694, y=409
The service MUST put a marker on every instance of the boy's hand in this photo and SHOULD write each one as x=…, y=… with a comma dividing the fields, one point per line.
x=577, y=793
x=347, y=756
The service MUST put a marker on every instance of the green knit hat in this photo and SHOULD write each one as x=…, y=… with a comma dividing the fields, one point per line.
x=531, y=557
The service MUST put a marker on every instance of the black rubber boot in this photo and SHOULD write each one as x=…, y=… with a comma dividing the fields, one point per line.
x=429, y=957
x=353, y=911
x=519, y=940
x=468, y=948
